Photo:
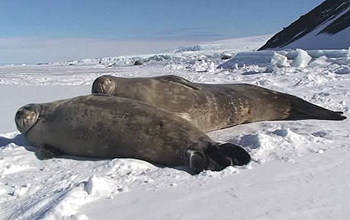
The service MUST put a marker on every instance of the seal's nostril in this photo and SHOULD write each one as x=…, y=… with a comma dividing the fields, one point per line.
x=102, y=87
x=106, y=86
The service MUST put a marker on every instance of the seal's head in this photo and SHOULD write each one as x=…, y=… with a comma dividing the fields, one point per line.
x=104, y=85
x=26, y=117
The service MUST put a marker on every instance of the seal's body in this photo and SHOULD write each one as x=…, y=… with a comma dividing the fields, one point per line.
x=213, y=106
x=107, y=127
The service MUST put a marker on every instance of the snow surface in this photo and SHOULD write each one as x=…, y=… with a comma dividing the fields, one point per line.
x=300, y=169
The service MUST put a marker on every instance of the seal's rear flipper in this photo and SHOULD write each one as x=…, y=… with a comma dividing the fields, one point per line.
x=300, y=109
x=228, y=154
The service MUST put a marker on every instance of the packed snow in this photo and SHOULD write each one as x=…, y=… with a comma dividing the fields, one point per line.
x=300, y=169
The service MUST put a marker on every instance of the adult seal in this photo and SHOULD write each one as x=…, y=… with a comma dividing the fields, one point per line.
x=108, y=127
x=213, y=106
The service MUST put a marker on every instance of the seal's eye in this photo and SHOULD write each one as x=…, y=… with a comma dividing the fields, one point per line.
x=104, y=85
x=26, y=117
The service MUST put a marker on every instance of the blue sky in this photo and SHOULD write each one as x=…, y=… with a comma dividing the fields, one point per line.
x=141, y=20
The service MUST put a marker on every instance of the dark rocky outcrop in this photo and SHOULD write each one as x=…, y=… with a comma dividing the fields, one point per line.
x=333, y=14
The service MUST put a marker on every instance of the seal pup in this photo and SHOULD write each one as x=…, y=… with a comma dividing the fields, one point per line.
x=101, y=126
x=213, y=106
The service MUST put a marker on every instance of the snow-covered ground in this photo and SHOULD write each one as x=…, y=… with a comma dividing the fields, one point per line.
x=300, y=168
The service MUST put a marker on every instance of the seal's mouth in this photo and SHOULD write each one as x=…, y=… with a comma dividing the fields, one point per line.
x=103, y=85
x=26, y=117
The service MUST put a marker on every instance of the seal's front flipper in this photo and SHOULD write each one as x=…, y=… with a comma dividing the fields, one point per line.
x=47, y=152
x=178, y=80
x=228, y=154
x=237, y=154
x=197, y=161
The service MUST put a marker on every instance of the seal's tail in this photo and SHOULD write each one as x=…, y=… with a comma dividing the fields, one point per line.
x=301, y=109
x=227, y=154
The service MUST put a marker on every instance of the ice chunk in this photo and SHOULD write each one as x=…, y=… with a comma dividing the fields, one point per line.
x=302, y=59
x=259, y=58
x=278, y=60
x=328, y=53
x=322, y=61
x=97, y=186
